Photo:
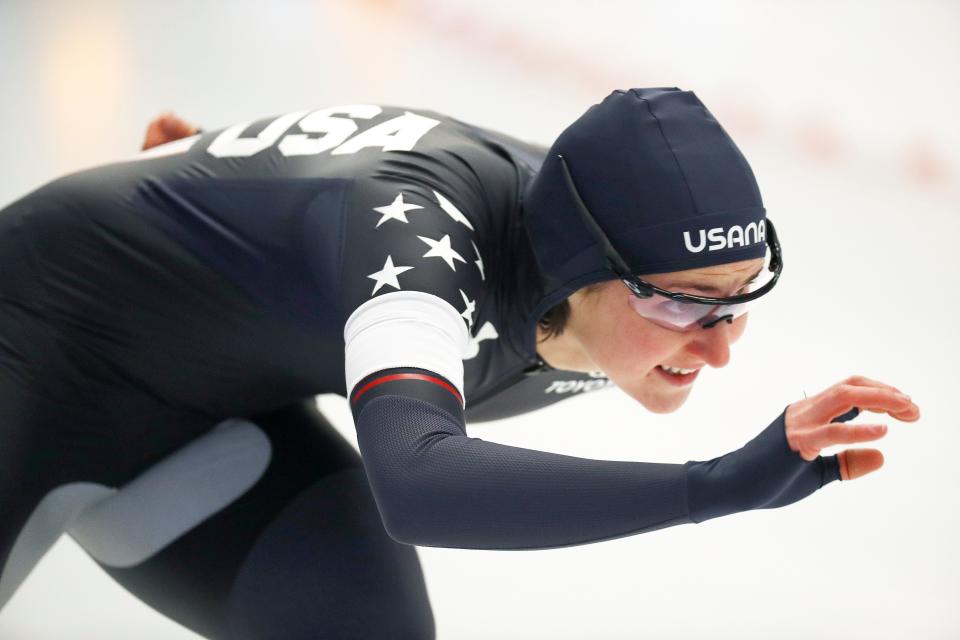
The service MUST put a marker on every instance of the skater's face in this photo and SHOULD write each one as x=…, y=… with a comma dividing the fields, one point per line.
x=605, y=333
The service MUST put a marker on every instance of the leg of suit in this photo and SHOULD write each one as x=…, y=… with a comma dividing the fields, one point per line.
x=302, y=554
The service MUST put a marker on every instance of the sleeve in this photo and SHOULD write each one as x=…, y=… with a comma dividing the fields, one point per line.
x=436, y=486
x=412, y=277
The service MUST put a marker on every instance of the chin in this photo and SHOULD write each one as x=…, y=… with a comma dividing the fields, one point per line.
x=661, y=403
x=661, y=406
x=654, y=395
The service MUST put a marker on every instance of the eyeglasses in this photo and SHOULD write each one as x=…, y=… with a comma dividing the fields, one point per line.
x=678, y=311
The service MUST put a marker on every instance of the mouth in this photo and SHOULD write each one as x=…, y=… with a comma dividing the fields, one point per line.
x=677, y=377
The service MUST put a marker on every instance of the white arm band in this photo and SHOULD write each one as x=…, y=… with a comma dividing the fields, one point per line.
x=405, y=329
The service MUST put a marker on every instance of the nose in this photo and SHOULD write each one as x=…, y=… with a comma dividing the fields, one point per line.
x=713, y=345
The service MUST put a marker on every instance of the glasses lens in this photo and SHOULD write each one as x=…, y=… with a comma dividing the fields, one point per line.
x=687, y=316
x=682, y=316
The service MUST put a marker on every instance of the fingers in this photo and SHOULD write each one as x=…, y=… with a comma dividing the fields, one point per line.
x=863, y=381
x=154, y=136
x=911, y=414
x=167, y=127
x=855, y=463
x=841, y=398
x=176, y=127
x=840, y=433
x=811, y=426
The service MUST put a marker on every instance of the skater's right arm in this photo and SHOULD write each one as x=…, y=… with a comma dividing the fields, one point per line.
x=436, y=486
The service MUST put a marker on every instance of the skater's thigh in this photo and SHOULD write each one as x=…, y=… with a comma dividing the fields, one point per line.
x=58, y=458
x=301, y=554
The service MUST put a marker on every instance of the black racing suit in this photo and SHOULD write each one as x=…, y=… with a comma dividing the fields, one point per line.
x=372, y=251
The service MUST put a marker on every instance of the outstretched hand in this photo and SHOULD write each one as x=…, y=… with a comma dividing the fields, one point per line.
x=167, y=127
x=809, y=428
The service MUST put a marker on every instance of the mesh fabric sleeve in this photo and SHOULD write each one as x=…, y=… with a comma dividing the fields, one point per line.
x=436, y=486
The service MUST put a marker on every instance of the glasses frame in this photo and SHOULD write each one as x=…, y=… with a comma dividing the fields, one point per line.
x=643, y=289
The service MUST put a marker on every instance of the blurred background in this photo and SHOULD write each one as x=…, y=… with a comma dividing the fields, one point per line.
x=847, y=112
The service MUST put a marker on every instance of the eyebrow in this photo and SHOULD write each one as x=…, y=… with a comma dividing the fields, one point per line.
x=707, y=288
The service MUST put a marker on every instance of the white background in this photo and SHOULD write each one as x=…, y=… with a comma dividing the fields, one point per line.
x=847, y=112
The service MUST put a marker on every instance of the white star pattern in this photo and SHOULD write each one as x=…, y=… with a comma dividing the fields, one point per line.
x=468, y=313
x=396, y=210
x=452, y=211
x=387, y=275
x=441, y=249
x=478, y=261
x=487, y=332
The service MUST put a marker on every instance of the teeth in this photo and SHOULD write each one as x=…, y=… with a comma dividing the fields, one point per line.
x=676, y=370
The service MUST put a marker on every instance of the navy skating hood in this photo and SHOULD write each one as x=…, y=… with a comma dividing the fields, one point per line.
x=663, y=180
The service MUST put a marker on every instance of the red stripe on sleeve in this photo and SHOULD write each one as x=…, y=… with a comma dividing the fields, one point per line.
x=406, y=376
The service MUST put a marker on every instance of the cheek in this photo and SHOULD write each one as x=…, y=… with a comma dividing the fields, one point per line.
x=628, y=345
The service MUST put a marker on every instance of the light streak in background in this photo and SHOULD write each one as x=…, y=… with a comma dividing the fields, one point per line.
x=917, y=162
